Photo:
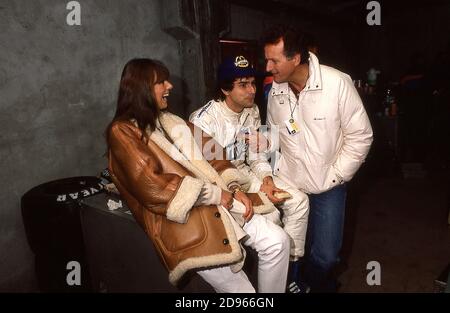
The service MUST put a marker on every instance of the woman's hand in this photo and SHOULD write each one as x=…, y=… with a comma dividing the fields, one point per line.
x=226, y=199
x=242, y=197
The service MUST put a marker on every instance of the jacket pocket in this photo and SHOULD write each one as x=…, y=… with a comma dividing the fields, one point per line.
x=332, y=179
x=176, y=237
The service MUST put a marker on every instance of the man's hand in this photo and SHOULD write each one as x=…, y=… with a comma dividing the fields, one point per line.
x=242, y=197
x=257, y=142
x=269, y=188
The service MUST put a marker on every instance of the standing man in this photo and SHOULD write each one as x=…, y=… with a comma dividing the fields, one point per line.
x=233, y=120
x=325, y=136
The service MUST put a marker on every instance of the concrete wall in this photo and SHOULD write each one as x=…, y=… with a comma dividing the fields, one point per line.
x=58, y=87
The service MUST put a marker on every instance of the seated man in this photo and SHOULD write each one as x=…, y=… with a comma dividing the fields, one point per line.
x=233, y=120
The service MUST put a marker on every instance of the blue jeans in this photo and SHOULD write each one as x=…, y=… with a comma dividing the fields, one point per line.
x=324, y=238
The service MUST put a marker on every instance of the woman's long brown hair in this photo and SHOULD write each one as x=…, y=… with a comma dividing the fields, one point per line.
x=136, y=99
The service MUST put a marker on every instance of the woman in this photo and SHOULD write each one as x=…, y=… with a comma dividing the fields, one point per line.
x=178, y=191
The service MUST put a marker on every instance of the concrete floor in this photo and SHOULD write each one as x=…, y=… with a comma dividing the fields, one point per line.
x=400, y=223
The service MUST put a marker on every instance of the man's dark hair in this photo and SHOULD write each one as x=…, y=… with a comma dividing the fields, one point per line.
x=227, y=84
x=294, y=40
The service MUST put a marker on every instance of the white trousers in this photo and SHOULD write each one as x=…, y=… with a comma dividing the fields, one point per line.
x=295, y=212
x=272, y=245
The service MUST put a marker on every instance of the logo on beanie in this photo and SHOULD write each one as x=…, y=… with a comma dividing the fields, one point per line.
x=241, y=61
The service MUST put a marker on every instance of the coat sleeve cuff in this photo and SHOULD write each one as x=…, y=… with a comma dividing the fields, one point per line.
x=209, y=195
x=184, y=199
x=232, y=175
x=266, y=206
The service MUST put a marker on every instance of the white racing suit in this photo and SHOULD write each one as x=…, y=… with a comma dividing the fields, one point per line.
x=227, y=128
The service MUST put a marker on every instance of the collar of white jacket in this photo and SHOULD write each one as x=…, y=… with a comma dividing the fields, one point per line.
x=314, y=81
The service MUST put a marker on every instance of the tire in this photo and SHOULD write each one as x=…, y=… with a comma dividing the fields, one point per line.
x=50, y=214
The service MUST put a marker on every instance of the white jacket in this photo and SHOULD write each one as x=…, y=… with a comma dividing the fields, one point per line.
x=334, y=134
x=219, y=121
